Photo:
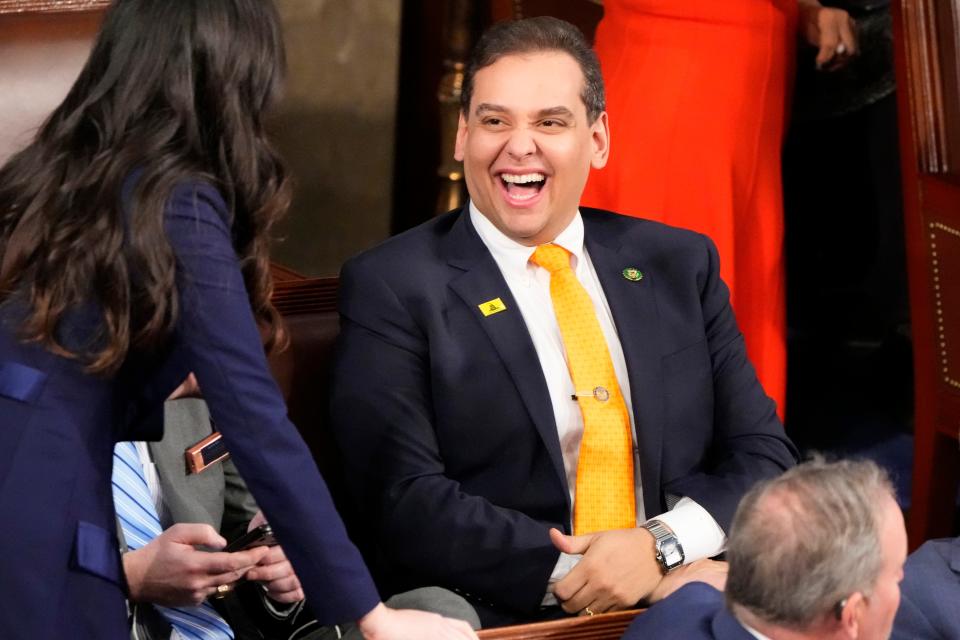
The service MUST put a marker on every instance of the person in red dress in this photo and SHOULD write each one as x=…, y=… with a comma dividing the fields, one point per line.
x=697, y=93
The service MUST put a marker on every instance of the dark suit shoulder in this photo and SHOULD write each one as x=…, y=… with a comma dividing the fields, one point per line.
x=421, y=240
x=686, y=614
x=930, y=587
x=655, y=240
x=616, y=222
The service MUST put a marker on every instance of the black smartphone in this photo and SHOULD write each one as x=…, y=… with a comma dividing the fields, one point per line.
x=262, y=535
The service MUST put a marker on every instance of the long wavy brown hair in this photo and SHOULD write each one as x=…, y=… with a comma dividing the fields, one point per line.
x=175, y=90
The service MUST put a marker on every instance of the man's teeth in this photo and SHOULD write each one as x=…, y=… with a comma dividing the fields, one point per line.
x=522, y=179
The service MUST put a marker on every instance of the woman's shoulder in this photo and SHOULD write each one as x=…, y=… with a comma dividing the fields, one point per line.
x=193, y=197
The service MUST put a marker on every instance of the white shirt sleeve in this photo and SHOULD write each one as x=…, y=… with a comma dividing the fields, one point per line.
x=565, y=563
x=696, y=530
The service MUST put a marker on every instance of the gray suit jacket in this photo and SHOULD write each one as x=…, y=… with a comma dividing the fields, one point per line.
x=217, y=496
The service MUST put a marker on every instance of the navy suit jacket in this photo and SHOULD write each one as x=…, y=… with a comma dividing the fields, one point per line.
x=59, y=565
x=446, y=424
x=930, y=592
x=696, y=611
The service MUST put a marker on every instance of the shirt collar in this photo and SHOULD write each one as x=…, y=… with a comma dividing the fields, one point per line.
x=515, y=257
x=756, y=634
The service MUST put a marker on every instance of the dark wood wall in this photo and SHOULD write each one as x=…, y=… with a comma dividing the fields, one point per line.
x=41, y=52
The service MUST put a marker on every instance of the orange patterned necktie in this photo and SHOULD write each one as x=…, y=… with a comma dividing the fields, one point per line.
x=605, y=486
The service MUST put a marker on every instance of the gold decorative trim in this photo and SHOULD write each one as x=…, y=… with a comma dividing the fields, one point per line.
x=51, y=6
x=938, y=301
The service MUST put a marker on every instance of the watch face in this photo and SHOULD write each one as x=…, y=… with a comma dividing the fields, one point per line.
x=669, y=548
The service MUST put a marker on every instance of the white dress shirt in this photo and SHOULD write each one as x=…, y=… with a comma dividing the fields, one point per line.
x=696, y=530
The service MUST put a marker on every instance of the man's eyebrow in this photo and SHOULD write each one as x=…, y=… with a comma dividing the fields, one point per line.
x=555, y=111
x=485, y=107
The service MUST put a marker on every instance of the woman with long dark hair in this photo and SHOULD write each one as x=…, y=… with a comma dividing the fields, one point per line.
x=134, y=237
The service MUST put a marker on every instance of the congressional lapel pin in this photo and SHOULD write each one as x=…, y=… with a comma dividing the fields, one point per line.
x=491, y=307
x=633, y=274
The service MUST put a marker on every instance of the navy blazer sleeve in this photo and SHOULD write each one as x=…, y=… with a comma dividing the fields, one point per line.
x=747, y=440
x=217, y=338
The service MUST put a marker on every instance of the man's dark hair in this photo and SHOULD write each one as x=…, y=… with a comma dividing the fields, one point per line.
x=534, y=35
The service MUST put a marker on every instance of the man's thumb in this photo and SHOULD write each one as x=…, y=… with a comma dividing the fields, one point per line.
x=570, y=544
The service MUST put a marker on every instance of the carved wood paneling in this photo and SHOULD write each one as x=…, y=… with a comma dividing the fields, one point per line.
x=310, y=295
x=948, y=28
x=928, y=78
x=925, y=85
x=51, y=6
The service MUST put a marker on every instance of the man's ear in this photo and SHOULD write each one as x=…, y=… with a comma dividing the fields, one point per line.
x=853, y=611
x=600, y=138
x=461, y=138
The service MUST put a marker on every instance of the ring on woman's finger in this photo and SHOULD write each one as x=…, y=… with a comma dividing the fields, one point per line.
x=588, y=611
x=841, y=49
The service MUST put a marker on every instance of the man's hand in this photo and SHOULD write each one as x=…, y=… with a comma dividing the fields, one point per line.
x=832, y=31
x=275, y=572
x=618, y=569
x=169, y=571
x=384, y=623
x=712, y=572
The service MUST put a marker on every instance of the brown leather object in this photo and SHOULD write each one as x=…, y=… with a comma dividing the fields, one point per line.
x=606, y=626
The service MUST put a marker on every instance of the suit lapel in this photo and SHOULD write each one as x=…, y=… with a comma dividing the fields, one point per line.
x=634, y=309
x=479, y=280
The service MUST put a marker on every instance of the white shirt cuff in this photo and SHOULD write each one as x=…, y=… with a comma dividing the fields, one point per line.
x=565, y=563
x=696, y=530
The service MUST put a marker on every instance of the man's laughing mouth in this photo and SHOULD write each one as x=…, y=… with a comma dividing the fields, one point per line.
x=522, y=187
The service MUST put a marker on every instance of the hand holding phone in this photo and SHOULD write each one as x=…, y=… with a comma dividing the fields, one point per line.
x=258, y=537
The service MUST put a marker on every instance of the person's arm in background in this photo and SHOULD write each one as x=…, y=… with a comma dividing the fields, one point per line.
x=832, y=31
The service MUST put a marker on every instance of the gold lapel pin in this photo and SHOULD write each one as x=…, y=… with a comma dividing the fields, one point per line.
x=633, y=274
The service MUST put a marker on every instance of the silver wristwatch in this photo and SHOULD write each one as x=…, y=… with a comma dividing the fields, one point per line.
x=669, y=551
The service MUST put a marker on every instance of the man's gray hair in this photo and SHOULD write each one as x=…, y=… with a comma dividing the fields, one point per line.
x=804, y=541
x=535, y=35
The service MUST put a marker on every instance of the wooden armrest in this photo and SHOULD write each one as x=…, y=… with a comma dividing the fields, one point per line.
x=606, y=626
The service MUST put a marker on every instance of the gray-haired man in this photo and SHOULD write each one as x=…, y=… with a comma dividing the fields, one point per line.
x=816, y=553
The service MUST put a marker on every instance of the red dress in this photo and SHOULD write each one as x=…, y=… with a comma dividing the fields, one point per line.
x=697, y=97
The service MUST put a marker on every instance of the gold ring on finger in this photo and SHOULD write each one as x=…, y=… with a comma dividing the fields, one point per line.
x=223, y=590
x=588, y=611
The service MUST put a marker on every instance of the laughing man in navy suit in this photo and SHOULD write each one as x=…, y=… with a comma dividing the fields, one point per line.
x=453, y=403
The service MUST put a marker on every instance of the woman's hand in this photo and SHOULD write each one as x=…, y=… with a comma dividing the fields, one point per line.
x=832, y=31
